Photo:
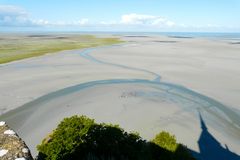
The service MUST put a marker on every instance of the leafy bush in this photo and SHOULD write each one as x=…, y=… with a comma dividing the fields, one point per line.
x=165, y=140
x=68, y=136
x=79, y=137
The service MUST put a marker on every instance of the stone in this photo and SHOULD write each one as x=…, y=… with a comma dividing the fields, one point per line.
x=20, y=158
x=12, y=147
x=9, y=132
x=25, y=150
x=2, y=123
x=3, y=152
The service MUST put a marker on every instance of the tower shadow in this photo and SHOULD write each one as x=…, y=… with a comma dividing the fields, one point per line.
x=210, y=148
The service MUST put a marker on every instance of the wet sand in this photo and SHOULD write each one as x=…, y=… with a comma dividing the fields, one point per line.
x=147, y=85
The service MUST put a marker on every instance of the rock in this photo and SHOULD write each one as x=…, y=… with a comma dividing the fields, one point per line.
x=20, y=159
x=9, y=132
x=3, y=152
x=11, y=145
x=25, y=150
x=2, y=123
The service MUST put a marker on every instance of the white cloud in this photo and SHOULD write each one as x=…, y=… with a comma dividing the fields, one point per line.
x=40, y=22
x=76, y=23
x=138, y=22
x=150, y=20
x=83, y=21
x=14, y=11
x=13, y=16
x=136, y=19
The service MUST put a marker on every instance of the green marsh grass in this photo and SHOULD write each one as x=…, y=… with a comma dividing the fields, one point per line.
x=17, y=47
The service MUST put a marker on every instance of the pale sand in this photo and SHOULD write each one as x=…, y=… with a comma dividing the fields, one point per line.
x=207, y=67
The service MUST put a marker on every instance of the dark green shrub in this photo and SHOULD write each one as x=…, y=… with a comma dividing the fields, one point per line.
x=79, y=137
x=68, y=136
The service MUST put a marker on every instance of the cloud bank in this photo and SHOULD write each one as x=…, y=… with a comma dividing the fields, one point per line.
x=139, y=19
x=15, y=17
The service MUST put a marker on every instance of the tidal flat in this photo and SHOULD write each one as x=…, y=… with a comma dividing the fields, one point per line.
x=146, y=84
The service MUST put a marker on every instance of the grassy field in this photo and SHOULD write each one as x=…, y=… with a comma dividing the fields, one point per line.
x=16, y=47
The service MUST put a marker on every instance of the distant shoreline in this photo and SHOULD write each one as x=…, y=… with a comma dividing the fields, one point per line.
x=189, y=34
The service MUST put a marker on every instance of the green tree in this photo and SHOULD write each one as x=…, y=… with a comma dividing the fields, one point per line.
x=79, y=137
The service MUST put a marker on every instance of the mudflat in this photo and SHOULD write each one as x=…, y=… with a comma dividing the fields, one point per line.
x=147, y=84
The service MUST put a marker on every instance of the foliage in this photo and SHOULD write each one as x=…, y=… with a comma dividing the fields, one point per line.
x=68, y=136
x=165, y=140
x=79, y=137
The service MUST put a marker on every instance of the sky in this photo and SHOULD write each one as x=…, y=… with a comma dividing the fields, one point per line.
x=120, y=15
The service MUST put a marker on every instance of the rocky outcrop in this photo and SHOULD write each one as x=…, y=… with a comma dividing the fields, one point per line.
x=11, y=146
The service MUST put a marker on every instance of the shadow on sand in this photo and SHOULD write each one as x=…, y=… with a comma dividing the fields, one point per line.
x=210, y=148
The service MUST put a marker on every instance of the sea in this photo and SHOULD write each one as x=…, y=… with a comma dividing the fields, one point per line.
x=212, y=35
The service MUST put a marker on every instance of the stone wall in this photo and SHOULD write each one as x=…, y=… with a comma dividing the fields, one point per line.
x=12, y=147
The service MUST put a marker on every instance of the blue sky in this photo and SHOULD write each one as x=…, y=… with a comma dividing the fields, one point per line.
x=121, y=15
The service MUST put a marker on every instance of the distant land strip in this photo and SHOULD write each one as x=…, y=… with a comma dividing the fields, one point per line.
x=15, y=47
